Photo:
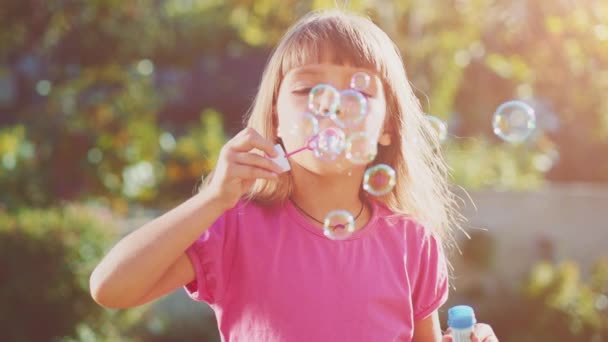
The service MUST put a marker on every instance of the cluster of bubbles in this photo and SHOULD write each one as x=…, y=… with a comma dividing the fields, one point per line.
x=347, y=109
x=513, y=121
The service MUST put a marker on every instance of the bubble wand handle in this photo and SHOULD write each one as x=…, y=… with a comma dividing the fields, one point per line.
x=307, y=146
x=296, y=151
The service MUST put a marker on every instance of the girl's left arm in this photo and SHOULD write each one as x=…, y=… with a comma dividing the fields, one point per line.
x=428, y=329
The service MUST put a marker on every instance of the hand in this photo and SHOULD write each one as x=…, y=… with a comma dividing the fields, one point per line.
x=238, y=168
x=481, y=333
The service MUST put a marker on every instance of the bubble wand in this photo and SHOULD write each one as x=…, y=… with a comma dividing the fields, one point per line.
x=281, y=159
x=309, y=145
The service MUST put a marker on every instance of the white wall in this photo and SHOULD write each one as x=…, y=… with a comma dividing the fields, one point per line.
x=573, y=217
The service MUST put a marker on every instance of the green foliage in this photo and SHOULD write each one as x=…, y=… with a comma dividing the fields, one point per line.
x=477, y=164
x=46, y=258
x=555, y=304
x=85, y=91
x=566, y=307
x=192, y=154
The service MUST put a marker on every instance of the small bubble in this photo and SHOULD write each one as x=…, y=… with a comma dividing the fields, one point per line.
x=379, y=179
x=338, y=225
x=514, y=121
x=440, y=127
x=360, y=81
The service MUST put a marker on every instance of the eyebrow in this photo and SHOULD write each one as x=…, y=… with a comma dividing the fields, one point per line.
x=306, y=71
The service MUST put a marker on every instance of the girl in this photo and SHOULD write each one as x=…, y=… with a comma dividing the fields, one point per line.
x=251, y=242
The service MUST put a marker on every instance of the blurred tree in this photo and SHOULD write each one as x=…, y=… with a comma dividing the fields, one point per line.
x=92, y=90
x=46, y=257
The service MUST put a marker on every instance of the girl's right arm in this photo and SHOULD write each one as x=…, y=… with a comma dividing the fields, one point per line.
x=151, y=261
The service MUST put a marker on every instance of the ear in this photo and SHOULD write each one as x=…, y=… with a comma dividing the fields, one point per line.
x=385, y=139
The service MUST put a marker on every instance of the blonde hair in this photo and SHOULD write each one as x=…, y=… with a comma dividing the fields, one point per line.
x=421, y=189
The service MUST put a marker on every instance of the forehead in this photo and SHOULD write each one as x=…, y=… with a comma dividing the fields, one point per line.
x=326, y=69
x=329, y=48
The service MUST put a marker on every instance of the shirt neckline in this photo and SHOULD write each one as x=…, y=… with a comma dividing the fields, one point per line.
x=303, y=222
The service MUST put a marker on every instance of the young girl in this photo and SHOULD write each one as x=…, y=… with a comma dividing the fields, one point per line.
x=251, y=242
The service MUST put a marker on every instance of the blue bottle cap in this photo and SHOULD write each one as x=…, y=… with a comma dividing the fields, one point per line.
x=461, y=317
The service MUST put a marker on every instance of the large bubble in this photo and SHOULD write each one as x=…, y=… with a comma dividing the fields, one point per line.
x=514, y=121
x=352, y=109
x=329, y=143
x=323, y=100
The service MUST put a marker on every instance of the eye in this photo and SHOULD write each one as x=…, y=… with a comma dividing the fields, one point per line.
x=301, y=91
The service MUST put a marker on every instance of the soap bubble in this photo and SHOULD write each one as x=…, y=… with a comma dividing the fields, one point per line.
x=352, y=109
x=514, y=121
x=306, y=125
x=323, y=100
x=360, y=81
x=379, y=179
x=329, y=143
x=360, y=149
x=439, y=126
x=338, y=225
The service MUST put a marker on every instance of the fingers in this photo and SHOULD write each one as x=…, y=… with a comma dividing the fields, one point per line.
x=251, y=172
x=446, y=338
x=483, y=333
x=249, y=139
x=251, y=159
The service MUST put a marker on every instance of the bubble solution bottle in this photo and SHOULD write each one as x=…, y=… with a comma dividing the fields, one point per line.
x=461, y=319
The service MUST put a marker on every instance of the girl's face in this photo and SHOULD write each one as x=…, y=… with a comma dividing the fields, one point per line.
x=293, y=101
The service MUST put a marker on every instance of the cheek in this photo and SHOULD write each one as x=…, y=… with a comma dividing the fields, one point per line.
x=374, y=121
x=288, y=106
x=291, y=128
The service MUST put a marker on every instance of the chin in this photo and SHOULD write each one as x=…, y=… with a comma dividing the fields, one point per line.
x=338, y=167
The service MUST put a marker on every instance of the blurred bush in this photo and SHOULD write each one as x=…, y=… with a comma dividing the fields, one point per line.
x=46, y=258
x=134, y=161
x=555, y=304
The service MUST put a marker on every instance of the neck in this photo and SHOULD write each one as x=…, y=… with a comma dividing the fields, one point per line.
x=317, y=195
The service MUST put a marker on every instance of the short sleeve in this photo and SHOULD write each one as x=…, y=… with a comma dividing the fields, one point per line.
x=211, y=256
x=431, y=283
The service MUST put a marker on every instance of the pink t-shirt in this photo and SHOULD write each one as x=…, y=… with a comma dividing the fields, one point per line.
x=271, y=275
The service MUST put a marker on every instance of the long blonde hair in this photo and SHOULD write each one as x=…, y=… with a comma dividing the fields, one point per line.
x=421, y=190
